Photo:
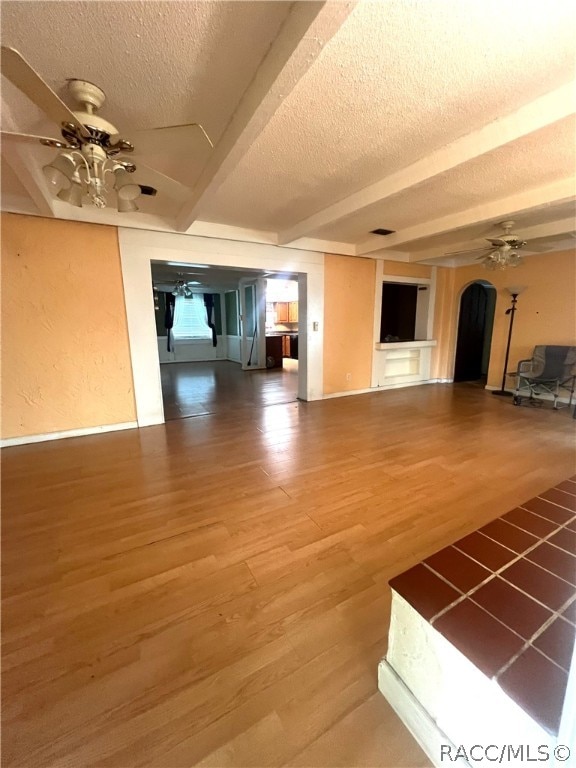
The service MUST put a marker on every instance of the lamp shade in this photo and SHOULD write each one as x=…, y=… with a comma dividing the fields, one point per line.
x=515, y=290
x=126, y=206
x=72, y=194
x=126, y=189
x=59, y=173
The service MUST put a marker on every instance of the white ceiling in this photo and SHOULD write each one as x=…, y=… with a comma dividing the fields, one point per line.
x=434, y=118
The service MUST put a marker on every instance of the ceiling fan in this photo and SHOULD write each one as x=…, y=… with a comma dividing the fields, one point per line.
x=178, y=286
x=91, y=147
x=503, y=250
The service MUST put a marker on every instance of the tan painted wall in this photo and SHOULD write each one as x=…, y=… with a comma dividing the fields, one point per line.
x=546, y=310
x=349, y=285
x=443, y=329
x=65, y=354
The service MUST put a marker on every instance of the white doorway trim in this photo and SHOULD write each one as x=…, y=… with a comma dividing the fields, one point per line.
x=138, y=248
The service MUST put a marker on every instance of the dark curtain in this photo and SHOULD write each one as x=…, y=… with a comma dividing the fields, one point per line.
x=209, y=304
x=169, y=317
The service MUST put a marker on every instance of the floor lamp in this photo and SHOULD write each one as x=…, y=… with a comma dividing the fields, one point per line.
x=514, y=291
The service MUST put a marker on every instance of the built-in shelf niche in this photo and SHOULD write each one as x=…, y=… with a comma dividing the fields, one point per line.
x=406, y=358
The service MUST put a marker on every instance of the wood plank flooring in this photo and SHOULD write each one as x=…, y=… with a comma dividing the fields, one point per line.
x=213, y=591
x=221, y=386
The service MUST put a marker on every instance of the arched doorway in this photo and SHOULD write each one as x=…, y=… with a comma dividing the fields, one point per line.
x=476, y=319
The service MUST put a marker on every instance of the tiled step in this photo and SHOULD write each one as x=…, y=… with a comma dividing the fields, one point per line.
x=505, y=597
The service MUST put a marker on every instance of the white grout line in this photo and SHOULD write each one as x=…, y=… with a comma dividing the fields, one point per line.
x=497, y=572
x=528, y=643
x=494, y=573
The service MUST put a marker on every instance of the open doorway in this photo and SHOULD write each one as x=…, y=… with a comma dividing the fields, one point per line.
x=475, y=323
x=220, y=339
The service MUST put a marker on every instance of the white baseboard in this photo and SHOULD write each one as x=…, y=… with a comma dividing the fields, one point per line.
x=386, y=387
x=416, y=718
x=25, y=439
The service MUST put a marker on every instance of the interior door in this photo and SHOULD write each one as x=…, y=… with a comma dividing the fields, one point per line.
x=253, y=322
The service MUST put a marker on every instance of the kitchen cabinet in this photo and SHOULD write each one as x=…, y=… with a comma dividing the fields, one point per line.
x=282, y=311
x=290, y=346
x=294, y=347
x=274, y=351
x=286, y=311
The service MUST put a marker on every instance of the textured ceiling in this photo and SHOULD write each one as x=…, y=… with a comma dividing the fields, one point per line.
x=400, y=79
x=522, y=221
x=333, y=105
x=536, y=159
x=160, y=63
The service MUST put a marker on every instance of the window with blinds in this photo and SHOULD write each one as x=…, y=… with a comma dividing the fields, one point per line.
x=190, y=319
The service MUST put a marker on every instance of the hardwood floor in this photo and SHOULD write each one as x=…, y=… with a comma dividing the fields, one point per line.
x=197, y=389
x=213, y=591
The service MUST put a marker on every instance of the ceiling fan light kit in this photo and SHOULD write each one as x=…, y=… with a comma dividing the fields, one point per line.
x=89, y=157
x=502, y=259
x=181, y=289
x=503, y=251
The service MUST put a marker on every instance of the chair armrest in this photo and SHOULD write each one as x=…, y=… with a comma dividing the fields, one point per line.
x=522, y=367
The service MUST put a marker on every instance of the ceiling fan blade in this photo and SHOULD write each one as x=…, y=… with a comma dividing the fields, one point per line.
x=496, y=241
x=16, y=69
x=146, y=190
x=28, y=137
x=468, y=250
x=541, y=248
x=177, y=131
x=158, y=181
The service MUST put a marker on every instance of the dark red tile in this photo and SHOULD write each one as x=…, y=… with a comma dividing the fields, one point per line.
x=485, y=551
x=508, y=535
x=538, y=686
x=425, y=591
x=548, y=510
x=559, y=497
x=539, y=584
x=557, y=642
x=513, y=608
x=482, y=639
x=568, y=486
x=565, y=539
x=530, y=522
x=458, y=569
x=571, y=525
x=570, y=612
x=554, y=560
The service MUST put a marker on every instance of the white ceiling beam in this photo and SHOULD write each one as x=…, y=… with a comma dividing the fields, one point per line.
x=302, y=37
x=546, y=110
x=29, y=175
x=561, y=191
x=31, y=180
x=547, y=229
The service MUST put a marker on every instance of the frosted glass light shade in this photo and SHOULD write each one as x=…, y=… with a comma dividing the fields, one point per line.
x=126, y=206
x=72, y=195
x=60, y=171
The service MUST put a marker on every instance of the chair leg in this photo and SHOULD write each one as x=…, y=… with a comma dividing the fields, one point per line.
x=571, y=392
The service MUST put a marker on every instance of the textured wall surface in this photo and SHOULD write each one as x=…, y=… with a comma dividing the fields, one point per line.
x=65, y=354
x=546, y=309
x=348, y=323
